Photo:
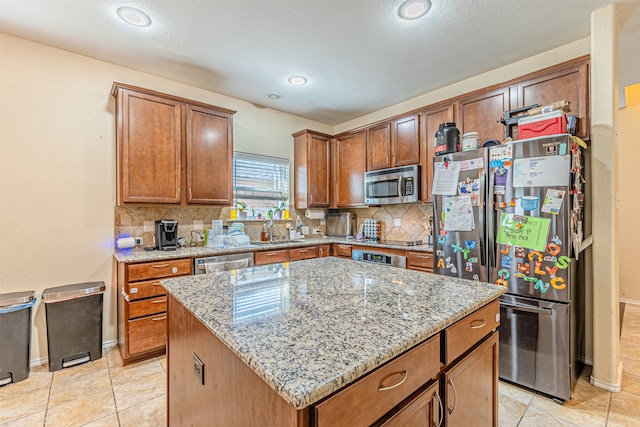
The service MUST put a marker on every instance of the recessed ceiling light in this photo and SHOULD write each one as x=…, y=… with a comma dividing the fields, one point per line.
x=134, y=16
x=414, y=9
x=298, y=80
x=274, y=96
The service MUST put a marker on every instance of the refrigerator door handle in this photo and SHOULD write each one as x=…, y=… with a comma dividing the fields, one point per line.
x=537, y=310
x=483, y=236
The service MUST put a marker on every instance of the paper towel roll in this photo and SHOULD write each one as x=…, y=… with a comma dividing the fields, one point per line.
x=314, y=213
x=126, y=243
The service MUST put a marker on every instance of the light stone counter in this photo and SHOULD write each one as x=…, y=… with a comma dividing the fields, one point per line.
x=307, y=328
x=140, y=255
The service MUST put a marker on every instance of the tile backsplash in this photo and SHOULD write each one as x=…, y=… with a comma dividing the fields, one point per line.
x=398, y=222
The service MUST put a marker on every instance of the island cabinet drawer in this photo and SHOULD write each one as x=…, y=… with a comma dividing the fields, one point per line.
x=368, y=399
x=270, y=257
x=420, y=261
x=303, y=253
x=153, y=270
x=147, y=307
x=148, y=333
x=140, y=290
x=343, y=251
x=324, y=250
x=465, y=333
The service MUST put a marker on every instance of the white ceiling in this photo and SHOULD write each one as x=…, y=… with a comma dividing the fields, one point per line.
x=358, y=55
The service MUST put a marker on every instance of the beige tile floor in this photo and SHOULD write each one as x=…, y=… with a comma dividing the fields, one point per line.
x=103, y=393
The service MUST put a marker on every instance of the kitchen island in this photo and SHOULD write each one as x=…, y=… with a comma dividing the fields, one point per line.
x=303, y=343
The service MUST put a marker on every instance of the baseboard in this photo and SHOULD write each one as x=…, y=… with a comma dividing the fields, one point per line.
x=587, y=360
x=43, y=360
x=614, y=387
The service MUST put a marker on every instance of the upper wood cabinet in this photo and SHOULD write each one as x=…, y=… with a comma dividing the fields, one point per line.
x=379, y=146
x=349, y=166
x=570, y=83
x=405, y=141
x=394, y=143
x=481, y=112
x=430, y=120
x=171, y=150
x=312, y=169
x=209, y=156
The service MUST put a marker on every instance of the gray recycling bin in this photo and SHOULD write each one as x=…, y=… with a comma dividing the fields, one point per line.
x=15, y=335
x=74, y=323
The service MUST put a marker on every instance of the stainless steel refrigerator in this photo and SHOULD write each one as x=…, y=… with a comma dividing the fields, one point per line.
x=531, y=222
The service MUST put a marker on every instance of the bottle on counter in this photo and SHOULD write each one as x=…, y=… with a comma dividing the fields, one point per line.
x=264, y=235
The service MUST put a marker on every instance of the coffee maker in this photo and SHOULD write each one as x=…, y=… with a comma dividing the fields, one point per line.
x=166, y=234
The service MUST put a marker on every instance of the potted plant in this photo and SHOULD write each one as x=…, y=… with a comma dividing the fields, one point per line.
x=240, y=207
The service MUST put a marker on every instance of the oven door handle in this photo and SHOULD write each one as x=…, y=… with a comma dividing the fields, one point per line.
x=527, y=308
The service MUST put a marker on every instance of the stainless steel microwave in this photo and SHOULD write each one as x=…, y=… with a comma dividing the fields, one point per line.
x=391, y=186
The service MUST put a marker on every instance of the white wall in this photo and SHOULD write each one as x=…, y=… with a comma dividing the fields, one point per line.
x=57, y=167
x=628, y=201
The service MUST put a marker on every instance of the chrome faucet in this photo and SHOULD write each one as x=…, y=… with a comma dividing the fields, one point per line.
x=271, y=229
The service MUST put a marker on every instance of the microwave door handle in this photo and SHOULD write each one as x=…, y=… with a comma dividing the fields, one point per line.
x=400, y=193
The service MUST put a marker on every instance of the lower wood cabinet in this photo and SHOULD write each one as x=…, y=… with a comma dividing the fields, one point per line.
x=324, y=251
x=342, y=251
x=471, y=387
x=142, y=306
x=298, y=254
x=420, y=261
x=270, y=257
x=425, y=409
x=387, y=386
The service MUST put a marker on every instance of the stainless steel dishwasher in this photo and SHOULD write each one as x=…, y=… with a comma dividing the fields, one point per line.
x=217, y=263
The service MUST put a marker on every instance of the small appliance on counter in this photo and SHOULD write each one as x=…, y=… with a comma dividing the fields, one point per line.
x=166, y=234
x=341, y=224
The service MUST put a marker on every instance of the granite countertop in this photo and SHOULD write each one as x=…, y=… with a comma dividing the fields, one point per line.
x=308, y=328
x=140, y=255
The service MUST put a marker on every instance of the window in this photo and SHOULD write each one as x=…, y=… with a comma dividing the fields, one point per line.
x=261, y=182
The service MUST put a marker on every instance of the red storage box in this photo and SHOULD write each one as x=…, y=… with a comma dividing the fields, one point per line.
x=543, y=124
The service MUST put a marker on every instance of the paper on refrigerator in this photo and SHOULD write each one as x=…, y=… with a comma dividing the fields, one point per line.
x=445, y=179
x=547, y=171
x=458, y=213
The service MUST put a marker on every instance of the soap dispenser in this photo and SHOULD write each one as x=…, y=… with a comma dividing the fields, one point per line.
x=264, y=235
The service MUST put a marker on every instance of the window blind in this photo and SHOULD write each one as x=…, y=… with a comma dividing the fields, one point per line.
x=257, y=177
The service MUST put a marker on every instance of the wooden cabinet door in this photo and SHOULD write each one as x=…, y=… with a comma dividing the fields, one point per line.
x=209, y=156
x=471, y=387
x=324, y=251
x=312, y=170
x=298, y=254
x=424, y=410
x=342, y=251
x=430, y=121
x=571, y=84
x=379, y=147
x=405, y=141
x=350, y=164
x=147, y=334
x=149, y=145
x=319, y=190
x=481, y=113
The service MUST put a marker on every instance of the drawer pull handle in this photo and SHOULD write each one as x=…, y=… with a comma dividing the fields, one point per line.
x=155, y=319
x=384, y=387
x=455, y=397
x=424, y=256
x=156, y=284
x=159, y=301
x=481, y=325
x=441, y=413
x=161, y=265
x=271, y=254
x=303, y=250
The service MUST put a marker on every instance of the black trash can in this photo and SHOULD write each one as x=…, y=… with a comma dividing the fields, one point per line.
x=74, y=323
x=15, y=335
